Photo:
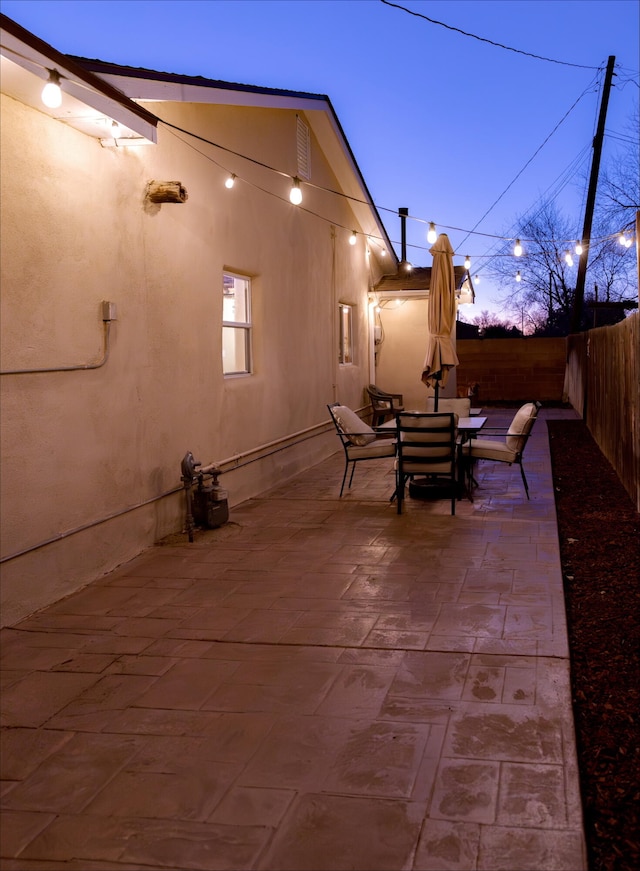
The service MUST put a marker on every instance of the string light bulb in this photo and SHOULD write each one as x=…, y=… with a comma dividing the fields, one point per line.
x=432, y=235
x=517, y=250
x=578, y=248
x=353, y=238
x=518, y=276
x=467, y=262
x=628, y=243
x=116, y=131
x=568, y=258
x=231, y=180
x=295, y=194
x=476, y=278
x=51, y=93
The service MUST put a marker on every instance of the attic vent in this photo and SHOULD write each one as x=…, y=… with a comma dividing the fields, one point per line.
x=303, y=144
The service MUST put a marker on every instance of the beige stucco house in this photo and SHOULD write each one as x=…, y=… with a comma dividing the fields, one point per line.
x=149, y=310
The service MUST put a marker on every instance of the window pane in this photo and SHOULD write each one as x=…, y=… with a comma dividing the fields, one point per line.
x=345, y=352
x=235, y=300
x=235, y=350
x=236, y=324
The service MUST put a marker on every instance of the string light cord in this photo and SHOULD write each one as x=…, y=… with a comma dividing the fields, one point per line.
x=488, y=41
x=283, y=174
x=341, y=194
x=310, y=184
x=374, y=237
x=252, y=184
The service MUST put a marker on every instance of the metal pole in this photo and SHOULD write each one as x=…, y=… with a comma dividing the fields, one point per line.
x=578, y=301
x=404, y=213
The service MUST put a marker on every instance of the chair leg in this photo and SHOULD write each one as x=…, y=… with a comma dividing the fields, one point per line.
x=353, y=468
x=400, y=485
x=524, y=480
x=344, y=477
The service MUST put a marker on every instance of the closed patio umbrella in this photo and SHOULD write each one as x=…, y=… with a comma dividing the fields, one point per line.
x=441, y=354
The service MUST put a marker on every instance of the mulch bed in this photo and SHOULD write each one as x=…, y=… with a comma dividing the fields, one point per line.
x=599, y=532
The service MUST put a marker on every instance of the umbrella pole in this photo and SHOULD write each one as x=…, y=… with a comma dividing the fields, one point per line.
x=435, y=399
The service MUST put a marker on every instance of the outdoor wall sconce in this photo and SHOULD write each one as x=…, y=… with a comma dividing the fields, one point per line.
x=166, y=192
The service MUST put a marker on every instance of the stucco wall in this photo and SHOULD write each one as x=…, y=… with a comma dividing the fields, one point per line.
x=81, y=448
x=400, y=356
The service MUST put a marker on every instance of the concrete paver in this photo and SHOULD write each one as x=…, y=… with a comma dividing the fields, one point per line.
x=319, y=684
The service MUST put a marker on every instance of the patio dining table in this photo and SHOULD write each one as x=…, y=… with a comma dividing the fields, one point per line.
x=468, y=428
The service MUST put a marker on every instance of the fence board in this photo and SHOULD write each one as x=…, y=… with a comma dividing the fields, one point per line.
x=603, y=385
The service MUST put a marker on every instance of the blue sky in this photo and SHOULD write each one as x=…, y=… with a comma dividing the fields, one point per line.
x=439, y=122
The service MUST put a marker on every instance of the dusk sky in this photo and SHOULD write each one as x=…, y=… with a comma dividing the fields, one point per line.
x=439, y=122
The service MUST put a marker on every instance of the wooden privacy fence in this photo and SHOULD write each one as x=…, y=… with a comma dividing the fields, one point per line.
x=516, y=370
x=602, y=382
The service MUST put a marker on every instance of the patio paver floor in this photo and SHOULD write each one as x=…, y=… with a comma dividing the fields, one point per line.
x=319, y=684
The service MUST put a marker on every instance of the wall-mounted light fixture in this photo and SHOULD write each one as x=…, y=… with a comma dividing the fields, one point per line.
x=166, y=192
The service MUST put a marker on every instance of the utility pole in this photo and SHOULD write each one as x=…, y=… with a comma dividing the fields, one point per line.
x=578, y=302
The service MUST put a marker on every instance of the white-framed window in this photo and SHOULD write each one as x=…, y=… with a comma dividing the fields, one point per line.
x=345, y=348
x=236, y=324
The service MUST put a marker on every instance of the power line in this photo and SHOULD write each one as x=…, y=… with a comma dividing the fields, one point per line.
x=489, y=41
x=536, y=152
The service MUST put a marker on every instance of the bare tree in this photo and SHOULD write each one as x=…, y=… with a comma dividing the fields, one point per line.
x=547, y=270
x=546, y=288
x=547, y=281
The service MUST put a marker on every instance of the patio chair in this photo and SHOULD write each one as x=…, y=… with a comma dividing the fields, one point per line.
x=426, y=447
x=508, y=448
x=384, y=404
x=358, y=439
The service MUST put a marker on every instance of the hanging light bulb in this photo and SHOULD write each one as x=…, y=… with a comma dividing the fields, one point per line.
x=628, y=243
x=116, y=131
x=568, y=258
x=518, y=276
x=51, y=93
x=231, y=180
x=353, y=238
x=432, y=235
x=295, y=194
x=467, y=262
x=476, y=278
x=578, y=248
x=622, y=239
x=517, y=248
